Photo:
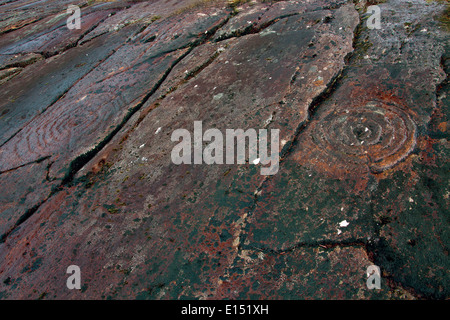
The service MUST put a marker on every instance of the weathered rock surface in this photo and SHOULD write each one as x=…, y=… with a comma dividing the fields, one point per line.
x=86, y=119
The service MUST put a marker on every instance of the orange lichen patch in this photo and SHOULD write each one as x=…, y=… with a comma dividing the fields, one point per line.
x=318, y=83
x=427, y=155
x=405, y=166
x=99, y=165
x=442, y=126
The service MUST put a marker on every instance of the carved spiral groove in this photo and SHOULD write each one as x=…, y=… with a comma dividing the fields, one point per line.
x=377, y=134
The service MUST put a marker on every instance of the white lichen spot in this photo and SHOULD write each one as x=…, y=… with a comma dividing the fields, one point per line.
x=266, y=32
x=236, y=242
x=343, y=223
x=269, y=120
x=218, y=96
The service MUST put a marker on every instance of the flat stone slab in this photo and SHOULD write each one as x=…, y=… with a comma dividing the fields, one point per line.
x=87, y=116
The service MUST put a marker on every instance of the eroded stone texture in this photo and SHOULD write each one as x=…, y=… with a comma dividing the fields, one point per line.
x=361, y=160
x=17, y=14
x=19, y=198
x=104, y=97
x=86, y=151
x=40, y=85
x=303, y=273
